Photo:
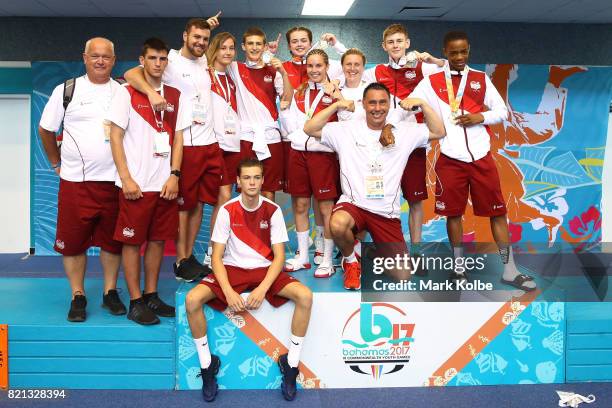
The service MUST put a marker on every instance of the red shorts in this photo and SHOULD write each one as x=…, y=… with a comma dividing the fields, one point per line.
x=456, y=179
x=313, y=173
x=382, y=229
x=242, y=280
x=232, y=160
x=150, y=218
x=86, y=216
x=274, y=177
x=201, y=173
x=414, y=179
x=286, y=150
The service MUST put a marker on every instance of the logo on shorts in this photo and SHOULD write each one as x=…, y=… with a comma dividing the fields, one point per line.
x=440, y=205
x=475, y=85
x=60, y=244
x=209, y=279
x=497, y=207
x=128, y=232
x=268, y=78
x=264, y=224
x=410, y=74
x=417, y=193
x=326, y=99
x=180, y=201
x=324, y=190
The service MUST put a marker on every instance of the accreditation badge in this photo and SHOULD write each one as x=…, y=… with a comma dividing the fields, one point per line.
x=230, y=121
x=374, y=187
x=162, y=144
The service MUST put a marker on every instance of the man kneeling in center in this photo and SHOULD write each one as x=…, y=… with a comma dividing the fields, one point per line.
x=248, y=254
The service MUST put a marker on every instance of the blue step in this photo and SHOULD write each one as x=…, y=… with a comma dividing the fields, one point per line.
x=105, y=352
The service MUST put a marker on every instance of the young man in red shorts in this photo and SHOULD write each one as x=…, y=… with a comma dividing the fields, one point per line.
x=202, y=164
x=258, y=84
x=147, y=148
x=248, y=254
x=468, y=103
x=371, y=171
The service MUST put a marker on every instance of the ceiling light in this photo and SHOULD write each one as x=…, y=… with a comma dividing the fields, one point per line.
x=326, y=7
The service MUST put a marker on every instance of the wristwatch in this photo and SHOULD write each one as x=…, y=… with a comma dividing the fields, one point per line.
x=177, y=173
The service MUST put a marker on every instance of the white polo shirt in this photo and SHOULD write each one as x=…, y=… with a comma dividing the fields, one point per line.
x=85, y=153
x=192, y=79
x=359, y=151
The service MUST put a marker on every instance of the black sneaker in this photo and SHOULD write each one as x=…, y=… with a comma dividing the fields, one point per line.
x=288, y=386
x=158, y=306
x=77, y=313
x=141, y=314
x=204, y=269
x=209, y=379
x=112, y=302
x=188, y=270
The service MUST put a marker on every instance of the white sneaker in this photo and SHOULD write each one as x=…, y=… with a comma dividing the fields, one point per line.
x=296, y=264
x=318, y=257
x=324, y=271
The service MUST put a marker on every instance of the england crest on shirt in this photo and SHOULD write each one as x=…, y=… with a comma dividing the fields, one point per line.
x=475, y=85
x=263, y=224
x=410, y=75
x=268, y=78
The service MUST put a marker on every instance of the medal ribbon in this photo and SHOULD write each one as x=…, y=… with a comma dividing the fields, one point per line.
x=455, y=101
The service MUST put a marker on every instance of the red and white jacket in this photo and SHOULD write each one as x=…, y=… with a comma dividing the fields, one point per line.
x=465, y=143
x=223, y=98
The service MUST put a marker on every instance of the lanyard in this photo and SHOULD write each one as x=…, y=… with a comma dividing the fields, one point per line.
x=310, y=111
x=455, y=101
x=226, y=95
x=160, y=123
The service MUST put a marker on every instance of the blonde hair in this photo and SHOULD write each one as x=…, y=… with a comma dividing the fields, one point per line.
x=394, y=29
x=300, y=90
x=353, y=51
x=215, y=44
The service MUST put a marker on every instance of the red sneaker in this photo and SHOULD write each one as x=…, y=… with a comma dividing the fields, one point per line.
x=352, y=275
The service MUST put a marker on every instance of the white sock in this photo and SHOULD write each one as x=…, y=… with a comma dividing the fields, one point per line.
x=351, y=257
x=295, y=348
x=328, y=251
x=203, y=351
x=319, y=231
x=302, y=238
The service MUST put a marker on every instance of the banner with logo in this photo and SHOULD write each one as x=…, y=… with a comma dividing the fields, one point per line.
x=549, y=154
x=358, y=345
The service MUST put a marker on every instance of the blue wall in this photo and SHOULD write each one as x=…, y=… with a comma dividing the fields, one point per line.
x=56, y=39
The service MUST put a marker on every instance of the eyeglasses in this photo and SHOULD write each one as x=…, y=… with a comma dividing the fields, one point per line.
x=95, y=57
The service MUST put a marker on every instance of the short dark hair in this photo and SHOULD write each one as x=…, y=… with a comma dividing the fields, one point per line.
x=197, y=23
x=455, y=35
x=376, y=86
x=251, y=31
x=298, y=28
x=249, y=162
x=154, y=43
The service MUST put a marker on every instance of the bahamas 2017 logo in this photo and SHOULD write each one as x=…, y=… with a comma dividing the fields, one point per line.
x=376, y=338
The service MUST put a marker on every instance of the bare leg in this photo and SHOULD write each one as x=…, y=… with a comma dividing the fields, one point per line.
x=110, y=264
x=341, y=226
x=152, y=264
x=454, y=229
x=302, y=297
x=415, y=221
x=189, y=227
x=130, y=256
x=268, y=194
x=75, y=271
x=301, y=207
x=196, y=298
